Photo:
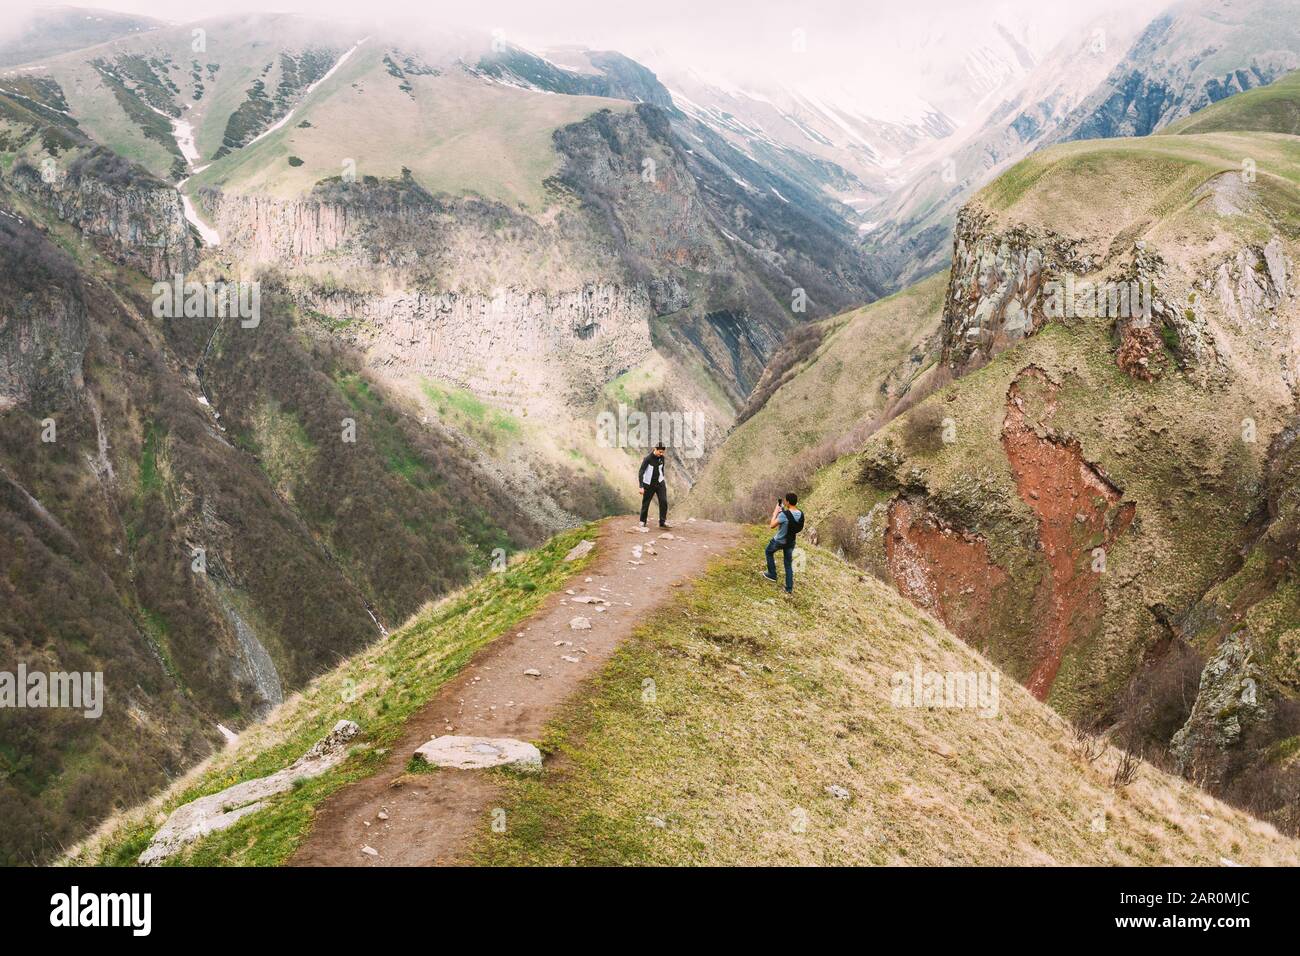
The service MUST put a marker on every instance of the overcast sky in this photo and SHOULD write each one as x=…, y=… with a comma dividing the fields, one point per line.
x=859, y=41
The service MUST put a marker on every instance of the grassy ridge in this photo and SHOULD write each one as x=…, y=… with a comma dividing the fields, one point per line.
x=379, y=688
x=1274, y=108
x=760, y=705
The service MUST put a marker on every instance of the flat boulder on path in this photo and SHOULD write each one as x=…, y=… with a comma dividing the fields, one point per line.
x=477, y=753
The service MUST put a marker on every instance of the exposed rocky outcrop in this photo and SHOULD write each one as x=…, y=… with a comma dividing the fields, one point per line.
x=1007, y=282
x=996, y=292
x=1235, y=698
x=713, y=238
x=219, y=811
x=135, y=219
x=476, y=753
x=1253, y=283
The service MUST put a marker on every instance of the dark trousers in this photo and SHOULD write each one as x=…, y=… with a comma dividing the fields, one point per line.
x=787, y=554
x=651, y=491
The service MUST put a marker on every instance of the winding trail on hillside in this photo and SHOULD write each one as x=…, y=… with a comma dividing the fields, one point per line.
x=429, y=818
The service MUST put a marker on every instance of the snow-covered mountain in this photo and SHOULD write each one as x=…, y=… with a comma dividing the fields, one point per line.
x=1196, y=52
x=911, y=233
x=867, y=133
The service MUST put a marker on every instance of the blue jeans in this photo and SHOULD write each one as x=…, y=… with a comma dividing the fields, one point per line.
x=787, y=553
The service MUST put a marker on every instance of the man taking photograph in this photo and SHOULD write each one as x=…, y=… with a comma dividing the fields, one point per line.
x=788, y=521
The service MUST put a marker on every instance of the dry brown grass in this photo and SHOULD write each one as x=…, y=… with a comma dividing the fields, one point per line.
x=762, y=704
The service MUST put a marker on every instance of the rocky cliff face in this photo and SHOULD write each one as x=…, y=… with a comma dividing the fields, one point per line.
x=509, y=346
x=1195, y=54
x=460, y=298
x=135, y=219
x=608, y=74
x=996, y=294
x=632, y=238
x=43, y=323
x=712, y=234
x=1128, y=430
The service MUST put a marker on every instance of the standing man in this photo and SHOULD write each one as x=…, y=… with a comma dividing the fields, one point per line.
x=788, y=522
x=651, y=477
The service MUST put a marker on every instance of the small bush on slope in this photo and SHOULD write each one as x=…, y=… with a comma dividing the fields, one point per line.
x=760, y=705
x=379, y=688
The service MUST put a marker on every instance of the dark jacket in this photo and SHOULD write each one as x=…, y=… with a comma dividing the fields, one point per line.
x=652, y=468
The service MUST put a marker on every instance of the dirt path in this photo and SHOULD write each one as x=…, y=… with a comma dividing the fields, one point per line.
x=430, y=817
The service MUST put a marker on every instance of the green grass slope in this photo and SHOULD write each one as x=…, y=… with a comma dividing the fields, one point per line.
x=1273, y=109
x=456, y=134
x=753, y=708
x=758, y=706
x=864, y=359
x=1103, y=190
x=200, y=72
x=378, y=689
x=394, y=103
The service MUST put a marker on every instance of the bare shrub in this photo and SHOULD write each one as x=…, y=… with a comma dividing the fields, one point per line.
x=1130, y=757
x=1159, y=699
x=1126, y=770
x=1088, y=745
x=840, y=533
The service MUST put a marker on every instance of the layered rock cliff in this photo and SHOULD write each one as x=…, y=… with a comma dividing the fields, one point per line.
x=509, y=346
x=136, y=219
x=996, y=294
